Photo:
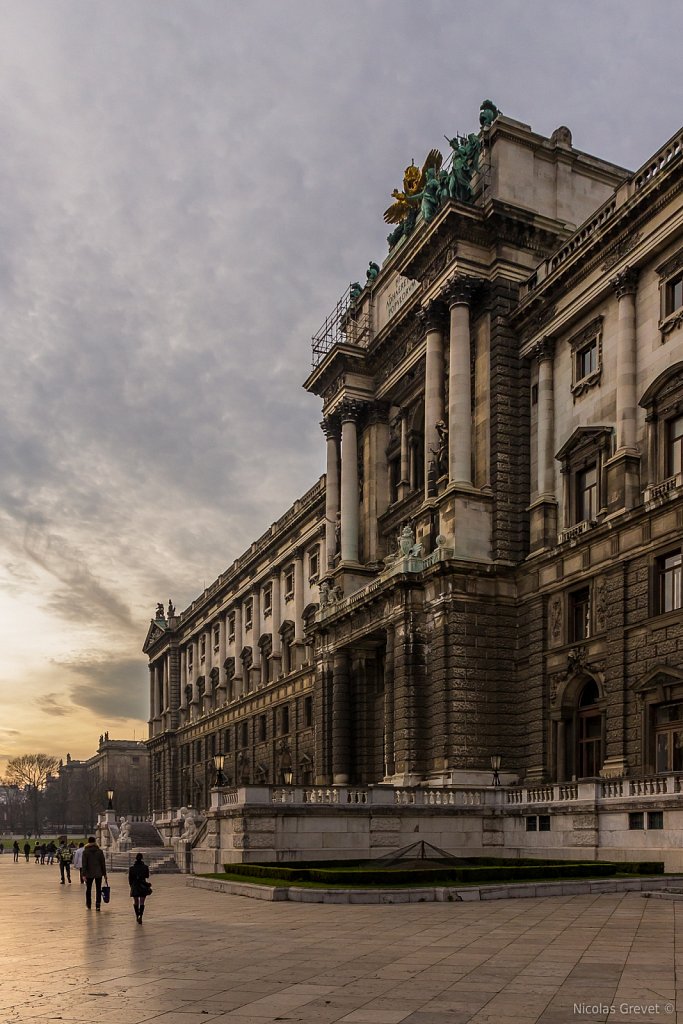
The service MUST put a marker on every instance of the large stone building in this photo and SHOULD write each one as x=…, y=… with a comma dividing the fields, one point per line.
x=488, y=576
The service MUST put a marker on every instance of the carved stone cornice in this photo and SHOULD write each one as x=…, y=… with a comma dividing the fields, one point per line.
x=331, y=427
x=625, y=283
x=460, y=290
x=621, y=249
x=432, y=317
x=673, y=264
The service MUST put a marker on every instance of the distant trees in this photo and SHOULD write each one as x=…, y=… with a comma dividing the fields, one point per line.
x=31, y=772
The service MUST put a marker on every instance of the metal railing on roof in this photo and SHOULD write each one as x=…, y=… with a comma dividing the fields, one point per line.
x=347, y=324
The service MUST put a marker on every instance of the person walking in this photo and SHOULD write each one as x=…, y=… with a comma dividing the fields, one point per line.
x=138, y=873
x=27, y=851
x=15, y=848
x=94, y=870
x=64, y=857
x=78, y=862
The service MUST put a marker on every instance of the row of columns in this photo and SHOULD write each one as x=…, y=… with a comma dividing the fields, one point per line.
x=342, y=506
x=193, y=665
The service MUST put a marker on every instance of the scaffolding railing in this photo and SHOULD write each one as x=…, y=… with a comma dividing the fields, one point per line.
x=347, y=324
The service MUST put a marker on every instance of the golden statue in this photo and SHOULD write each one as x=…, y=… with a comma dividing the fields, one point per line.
x=406, y=202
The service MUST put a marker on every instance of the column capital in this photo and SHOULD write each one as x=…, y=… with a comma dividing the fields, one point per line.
x=432, y=316
x=350, y=410
x=331, y=427
x=625, y=283
x=543, y=349
x=378, y=412
x=460, y=289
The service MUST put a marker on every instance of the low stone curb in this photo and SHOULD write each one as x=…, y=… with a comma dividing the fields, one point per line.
x=438, y=894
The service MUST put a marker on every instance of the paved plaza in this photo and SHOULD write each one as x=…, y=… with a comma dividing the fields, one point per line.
x=203, y=957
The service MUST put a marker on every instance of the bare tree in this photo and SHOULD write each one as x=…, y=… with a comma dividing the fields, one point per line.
x=31, y=771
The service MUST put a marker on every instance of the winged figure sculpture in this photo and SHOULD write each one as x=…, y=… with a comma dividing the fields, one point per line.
x=406, y=202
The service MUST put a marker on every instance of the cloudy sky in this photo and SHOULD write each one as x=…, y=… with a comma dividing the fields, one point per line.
x=186, y=189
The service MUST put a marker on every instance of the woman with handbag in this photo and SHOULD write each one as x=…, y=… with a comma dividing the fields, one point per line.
x=138, y=874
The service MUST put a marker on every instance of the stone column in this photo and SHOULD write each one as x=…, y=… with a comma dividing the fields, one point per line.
x=276, y=622
x=195, y=672
x=432, y=320
x=330, y=427
x=238, y=680
x=404, y=483
x=459, y=295
x=151, y=699
x=341, y=719
x=626, y=286
x=561, y=752
x=349, y=484
x=222, y=693
x=389, y=767
x=165, y=687
x=546, y=421
x=255, y=671
x=207, y=701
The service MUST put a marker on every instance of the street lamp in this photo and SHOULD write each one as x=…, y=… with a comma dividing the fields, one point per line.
x=110, y=797
x=288, y=775
x=218, y=762
x=495, y=765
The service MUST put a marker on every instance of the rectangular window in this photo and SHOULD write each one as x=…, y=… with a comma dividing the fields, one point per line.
x=244, y=734
x=636, y=821
x=586, y=360
x=394, y=479
x=289, y=584
x=227, y=741
x=248, y=614
x=655, y=819
x=216, y=637
x=674, y=295
x=262, y=728
x=579, y=615
x=587, y=494
x=268, y=599
x=190, y=654
x=308, y=711
x=202, y=647
x=313, y=564
x=231, y=627
x=674, y=446
x=544, y=823
x=532, y=823
x=284, y=720
x=668, y=577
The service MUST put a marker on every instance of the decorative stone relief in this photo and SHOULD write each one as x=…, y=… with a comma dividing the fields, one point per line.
x=555, y=619
x=601, y=605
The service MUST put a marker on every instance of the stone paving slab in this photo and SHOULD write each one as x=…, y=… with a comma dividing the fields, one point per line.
x=561, y=959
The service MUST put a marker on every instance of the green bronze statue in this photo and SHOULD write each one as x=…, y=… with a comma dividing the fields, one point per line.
x=355, y=289
x=488, y=113
x=372, y=271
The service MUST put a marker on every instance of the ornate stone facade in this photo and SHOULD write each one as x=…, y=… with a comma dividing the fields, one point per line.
x=513, y=409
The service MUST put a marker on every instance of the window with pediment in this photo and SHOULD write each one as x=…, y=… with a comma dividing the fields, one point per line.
x=663, y=404
x=586, y=349
x=583, y=459
x=670, y=294
x=661, y=694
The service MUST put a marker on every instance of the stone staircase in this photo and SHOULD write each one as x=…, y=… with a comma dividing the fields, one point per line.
x=143, y=835
x=159, y=859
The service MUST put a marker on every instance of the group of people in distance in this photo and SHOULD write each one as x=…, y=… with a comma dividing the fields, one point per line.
x=90, y=862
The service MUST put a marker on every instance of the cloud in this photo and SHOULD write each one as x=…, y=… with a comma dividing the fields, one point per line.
x=112, y=688
x=51, y=704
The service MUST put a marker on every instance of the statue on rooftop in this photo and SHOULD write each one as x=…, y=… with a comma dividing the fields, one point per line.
x=160, y=611
x=355, y=289
x=488, y=112
x=372, y=271
x=171, y=609
x=404, y=209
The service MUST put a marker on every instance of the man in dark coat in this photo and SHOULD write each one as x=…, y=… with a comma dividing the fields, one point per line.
x=94, y=870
